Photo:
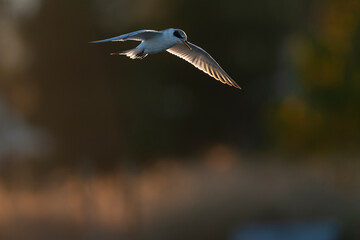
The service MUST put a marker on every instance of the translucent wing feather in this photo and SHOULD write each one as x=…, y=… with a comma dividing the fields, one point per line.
x=203, y=61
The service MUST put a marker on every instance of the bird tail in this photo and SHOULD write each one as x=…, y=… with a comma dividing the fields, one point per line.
x=132, y=53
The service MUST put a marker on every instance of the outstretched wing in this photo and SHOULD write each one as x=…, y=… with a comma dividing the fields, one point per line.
x=203, y=61
x=140, y=35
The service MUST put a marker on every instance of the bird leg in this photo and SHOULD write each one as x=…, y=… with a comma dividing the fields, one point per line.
x=141, y=55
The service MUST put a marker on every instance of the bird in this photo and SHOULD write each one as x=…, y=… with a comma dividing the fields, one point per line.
x=175, y=42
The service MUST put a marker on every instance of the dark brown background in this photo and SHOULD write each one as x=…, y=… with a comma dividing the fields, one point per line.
x=94, y=146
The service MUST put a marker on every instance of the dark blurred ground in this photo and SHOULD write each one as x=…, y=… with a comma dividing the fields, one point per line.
x=100, y=147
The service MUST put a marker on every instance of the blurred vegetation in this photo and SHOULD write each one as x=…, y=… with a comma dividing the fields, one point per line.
x=321, y=111
x=94, y=146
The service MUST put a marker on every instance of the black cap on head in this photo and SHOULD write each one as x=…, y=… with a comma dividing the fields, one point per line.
x=178, y=34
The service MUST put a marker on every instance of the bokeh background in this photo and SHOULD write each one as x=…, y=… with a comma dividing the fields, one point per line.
x=94, y=146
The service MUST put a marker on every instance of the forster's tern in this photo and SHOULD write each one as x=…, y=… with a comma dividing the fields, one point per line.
x=174, y=41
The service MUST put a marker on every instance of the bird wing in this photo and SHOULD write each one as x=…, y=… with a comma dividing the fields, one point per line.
x=140, y=35
x=203, y=61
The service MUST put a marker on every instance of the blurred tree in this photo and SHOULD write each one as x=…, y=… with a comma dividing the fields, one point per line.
x=324, y=113
x=76, y=103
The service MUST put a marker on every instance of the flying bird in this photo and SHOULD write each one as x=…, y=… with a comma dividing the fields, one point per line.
x=175, y=42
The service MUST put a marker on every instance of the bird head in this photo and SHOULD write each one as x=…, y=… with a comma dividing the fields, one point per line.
x=180, y=35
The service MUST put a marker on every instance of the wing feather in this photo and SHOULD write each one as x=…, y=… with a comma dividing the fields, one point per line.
x=140, y=35
x=203, y=61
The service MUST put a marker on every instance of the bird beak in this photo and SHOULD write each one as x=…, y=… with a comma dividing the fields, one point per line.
x=187, y=44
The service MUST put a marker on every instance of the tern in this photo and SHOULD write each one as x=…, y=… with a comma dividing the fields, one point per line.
x=175, y=42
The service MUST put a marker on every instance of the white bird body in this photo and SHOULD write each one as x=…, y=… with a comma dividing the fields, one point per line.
x=173, y=41
x=159, y=43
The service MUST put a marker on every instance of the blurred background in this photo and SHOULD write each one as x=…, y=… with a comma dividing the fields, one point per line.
x=94, y=146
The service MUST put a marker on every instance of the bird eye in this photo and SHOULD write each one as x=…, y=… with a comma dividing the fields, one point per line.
x=177, y=34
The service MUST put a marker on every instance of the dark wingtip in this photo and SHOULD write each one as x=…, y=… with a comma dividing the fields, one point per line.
x=234, y=84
